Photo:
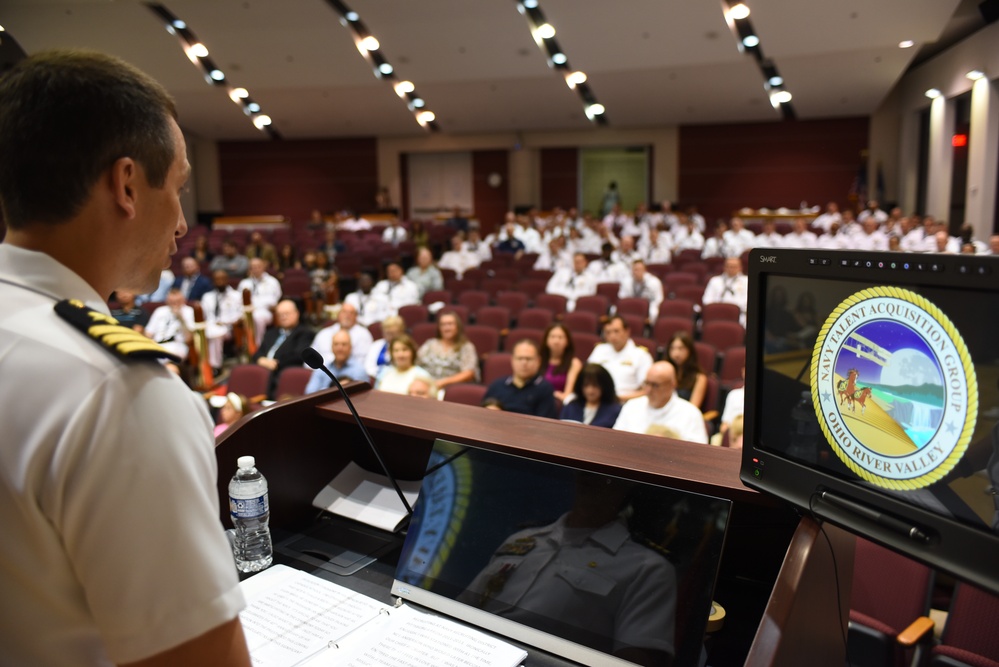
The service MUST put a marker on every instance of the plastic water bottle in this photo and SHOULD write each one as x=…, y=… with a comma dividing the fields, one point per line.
x=250, y=511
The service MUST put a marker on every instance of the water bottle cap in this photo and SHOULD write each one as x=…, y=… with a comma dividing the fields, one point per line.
x=246, y=462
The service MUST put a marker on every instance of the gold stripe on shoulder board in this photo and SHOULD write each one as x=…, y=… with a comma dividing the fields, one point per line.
x=117, y=339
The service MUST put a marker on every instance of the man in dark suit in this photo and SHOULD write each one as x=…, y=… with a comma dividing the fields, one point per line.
x=190, y=281
x=283, y=343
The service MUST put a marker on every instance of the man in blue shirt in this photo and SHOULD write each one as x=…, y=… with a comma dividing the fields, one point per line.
x=343, y=367
x=526, y=391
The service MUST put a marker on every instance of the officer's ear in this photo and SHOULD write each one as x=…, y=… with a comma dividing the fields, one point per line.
x=125, y=174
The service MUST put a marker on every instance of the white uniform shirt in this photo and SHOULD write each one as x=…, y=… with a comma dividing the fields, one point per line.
x=112, y=548
x=224, y=311
x=169, y=330
x=607, y=271
x=628, y=367
x=725, y=289
x=650, y=288
x=403, y=293
x=370, y=307
x=805, y=239
x=360, y=342
x=571, y=285
x=265, y=292
x=680, y=415
x=459, y=261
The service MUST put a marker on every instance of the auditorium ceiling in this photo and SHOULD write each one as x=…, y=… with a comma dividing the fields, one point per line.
x=475, y=63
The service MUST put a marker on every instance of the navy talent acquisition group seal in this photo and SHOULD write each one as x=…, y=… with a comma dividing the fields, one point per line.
x=894, y=388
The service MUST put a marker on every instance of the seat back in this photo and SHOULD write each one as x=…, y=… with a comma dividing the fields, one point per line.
x=421, y=332
x=535, y=318
x=496, y=366
x=473, y=300
x=518, y=334
x=292, y=381
x=971, y=627
x=485, y=338
x=555, y=303
x=414, y=314
x=596, y=304
x=497, y=317
x=465, y=393
x=581, y=321
x=712, y=312
x=723, y=335
x=512, y=301
x=250, y=380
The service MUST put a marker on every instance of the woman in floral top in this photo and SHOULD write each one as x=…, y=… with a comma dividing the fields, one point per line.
x=449, y=357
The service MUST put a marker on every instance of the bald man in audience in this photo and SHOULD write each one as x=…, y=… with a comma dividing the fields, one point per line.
x=360, y=338
x=663, y=406
x=343, y=366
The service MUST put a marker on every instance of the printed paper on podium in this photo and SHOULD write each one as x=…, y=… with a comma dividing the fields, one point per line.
x=367, y=497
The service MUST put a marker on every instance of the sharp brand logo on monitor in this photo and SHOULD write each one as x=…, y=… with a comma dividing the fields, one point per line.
x=768, y=259
x=894, y=388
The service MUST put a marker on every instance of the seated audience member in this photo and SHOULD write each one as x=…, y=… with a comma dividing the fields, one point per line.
x=508, y=239
x=283, y=343
x=596, y=400
x=826, y=220
x=606, y=268
x=475, y=245
x=259, y=248
x=288, y=259
x=738, y=239
x=457, y=221
x=449, y=357
x=360, y=337
x=559, y=360
x=353, y=223
x=492, y=403
x=222, y=307
x=691, y=381
x=201, y=253
x=316, y=220
x=394, y=234
x=555, y=256
x=717, y=245
x=624, y=360
x=422, y=388
x=378, y=355
x=663, y=431
x=159, y=294
x=643, y=285
x=418, y=234
x=769, y=238
x=324, y=281
x=396, y=289
x=735, y=405
x=190, y=282
x=343, y=366
x=331, y=245
x=232, y=410
x=426, y=276
x=735, y=433
x=873, y=211
x=662, y=406
x=800, y=236
x=265, y=292
x=127, y=313
x=370, y=305
x=458, y=259
x=572, y=283
x=230, y=261
x=399, y=375
x=686, y=236
x=656, y=248
x=171, y=324
x=525, y=391
x=732, y=286
x=869, y=238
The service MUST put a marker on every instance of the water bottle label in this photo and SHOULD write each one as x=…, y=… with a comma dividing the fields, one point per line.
x=248, y=508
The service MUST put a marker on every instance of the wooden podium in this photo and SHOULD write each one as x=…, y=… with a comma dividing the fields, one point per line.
x=776, y=581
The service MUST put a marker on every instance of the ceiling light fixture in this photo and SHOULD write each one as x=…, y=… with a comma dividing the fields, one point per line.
x=197, y=53
x=776, y=81
x=975, y=75
x=262, y=121
x=933, y=93
x=906, y=44
x=543, y=33
x=750, y=41
x=780, y=97
x=425, y=117
x=368, y=46
x=738, y=12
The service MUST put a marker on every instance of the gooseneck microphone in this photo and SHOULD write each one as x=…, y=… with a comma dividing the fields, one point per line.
x=313, y=359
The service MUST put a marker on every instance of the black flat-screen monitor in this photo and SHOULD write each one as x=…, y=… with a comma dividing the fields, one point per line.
x=604, y=570
x=872, y=396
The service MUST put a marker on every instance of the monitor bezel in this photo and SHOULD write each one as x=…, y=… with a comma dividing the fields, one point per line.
x=964, y=551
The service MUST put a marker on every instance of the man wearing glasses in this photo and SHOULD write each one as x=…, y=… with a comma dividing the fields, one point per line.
x=662, y=406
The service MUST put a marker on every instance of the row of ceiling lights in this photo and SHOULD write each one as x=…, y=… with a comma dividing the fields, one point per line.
x=974, y=75
x=197, y=52
x=737, y=17
x=544, y=36
x=369, y=47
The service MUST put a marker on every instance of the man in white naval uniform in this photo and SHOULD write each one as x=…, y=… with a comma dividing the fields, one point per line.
x=732, y=286
x=113, y=552
x=626, y=362
x=265, y=292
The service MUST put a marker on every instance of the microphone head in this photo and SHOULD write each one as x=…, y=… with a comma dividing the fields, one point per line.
x=312, y=358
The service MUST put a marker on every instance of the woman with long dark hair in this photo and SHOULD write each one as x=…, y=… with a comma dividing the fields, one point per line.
x=558, y=360
x=596, y=401
x=691, y=381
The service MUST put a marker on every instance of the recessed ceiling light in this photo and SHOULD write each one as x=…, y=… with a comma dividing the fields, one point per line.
x=975, y=75
x=530, y=4
x=262, y=121
x=418, y=102
x=933, y=93
x=199, y=50
x=776, y=81
x=253, y=107
x=780, y=97
x=739, y=11
x=559, y=59
x=594, y=110
x=385, y=68
x=425, y=117
x=369, y=43
x=351, y=16
x=237, y=94
x=216, y=74
x=906, y=44
x=546, y=31
x=575, y=79
x=749, y=41
x=179, y=25
x=404, y=87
